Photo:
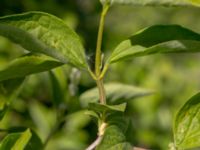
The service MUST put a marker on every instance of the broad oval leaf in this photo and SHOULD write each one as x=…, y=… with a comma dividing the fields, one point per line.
x=44, y=33
x=155, y=2
x=27, y=65
x=116, y=93
x=157, y=39
x=187, y=124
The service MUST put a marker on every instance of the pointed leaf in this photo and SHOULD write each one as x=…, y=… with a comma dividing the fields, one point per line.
x=149, y=41
x=27, y=65
x=155, y=2
x=9, y=141
x=16, y=141
x=116, y=93
x=187, y=124
x=44, y=33
x=21, y=143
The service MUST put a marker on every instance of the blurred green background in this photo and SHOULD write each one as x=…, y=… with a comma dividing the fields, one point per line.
x=174, y=77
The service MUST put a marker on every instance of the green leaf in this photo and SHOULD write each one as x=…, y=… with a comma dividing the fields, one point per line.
x=149, y=41
x=9, y=141
x=155, y=2
x=116, y=93
x=34, y=143
x=21, y=143
x=187, y=124
x=44, y=33
x=57, y=92
x=16, y=141
x=113, y=138
x=27, y=65
x=122, y=146
x=3, y=109
x=20, y=138
x=102, y=108
x=10, y=88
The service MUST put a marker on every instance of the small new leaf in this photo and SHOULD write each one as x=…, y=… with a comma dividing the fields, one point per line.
x=101, y=108
x=148, y=41
x=187, y=124
x=44, y=33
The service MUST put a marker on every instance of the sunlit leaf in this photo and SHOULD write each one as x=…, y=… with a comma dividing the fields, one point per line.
x=22, y=141
x=174, y=39
x=116, y=93
x=16, y=141
x=18, y=136
x=156, y=2
x=27, y=65
x=44, y=33
x=187, y=124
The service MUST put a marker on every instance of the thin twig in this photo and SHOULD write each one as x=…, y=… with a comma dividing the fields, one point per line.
x=94, y=144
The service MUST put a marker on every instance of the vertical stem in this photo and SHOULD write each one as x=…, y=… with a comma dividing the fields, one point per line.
x=102, y=93
x=98, y=60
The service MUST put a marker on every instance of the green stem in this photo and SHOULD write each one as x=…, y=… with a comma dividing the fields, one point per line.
x=102, y=93
x=98, y=60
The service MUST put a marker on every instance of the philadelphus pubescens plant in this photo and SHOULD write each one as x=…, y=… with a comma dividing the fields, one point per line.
x=52, y=44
